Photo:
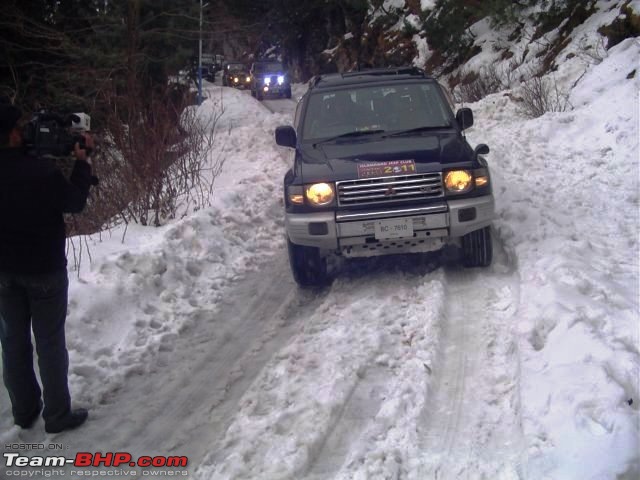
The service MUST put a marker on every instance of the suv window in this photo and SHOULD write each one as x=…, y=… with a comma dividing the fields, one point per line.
x=378, y=107
x=268, y=67
x=235, y=67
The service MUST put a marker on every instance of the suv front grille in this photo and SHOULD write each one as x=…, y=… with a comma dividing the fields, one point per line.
x=376, y=191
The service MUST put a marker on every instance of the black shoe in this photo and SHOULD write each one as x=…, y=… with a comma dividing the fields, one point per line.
x=71, y=421
x=29, y=420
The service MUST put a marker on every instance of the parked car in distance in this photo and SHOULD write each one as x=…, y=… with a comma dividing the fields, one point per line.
x=269, y=78
x=213, y=62
x=236, y=74
x=209, y=73
x=381, y=166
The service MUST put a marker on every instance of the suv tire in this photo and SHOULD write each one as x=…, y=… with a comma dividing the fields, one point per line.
x=308, y=267
x=288, y=93
x=477, y=250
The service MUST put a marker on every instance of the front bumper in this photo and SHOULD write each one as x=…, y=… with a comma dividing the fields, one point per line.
x=241, y=83
x=275, y=89
x=353, y=233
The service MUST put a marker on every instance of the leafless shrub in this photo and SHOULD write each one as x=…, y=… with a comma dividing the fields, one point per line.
x=78, y=247
x=156, y=163
x=162, y=153
x=540, y=95
x=490, y=79
x=592, y=54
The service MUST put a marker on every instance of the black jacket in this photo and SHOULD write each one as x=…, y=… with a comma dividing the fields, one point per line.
x=33, y=196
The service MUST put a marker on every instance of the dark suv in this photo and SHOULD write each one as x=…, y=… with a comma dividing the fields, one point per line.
x=382, y=167
x=269, y=78
x=235, y=74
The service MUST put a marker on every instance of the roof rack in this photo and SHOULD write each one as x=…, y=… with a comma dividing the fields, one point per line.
x=386, y=71
x=333, y=78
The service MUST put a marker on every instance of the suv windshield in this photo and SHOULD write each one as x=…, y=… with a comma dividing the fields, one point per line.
x=269, y=67
x=235, y=67
x=388, y=108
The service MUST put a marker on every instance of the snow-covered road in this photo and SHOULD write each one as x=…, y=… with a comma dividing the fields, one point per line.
x=453, y=365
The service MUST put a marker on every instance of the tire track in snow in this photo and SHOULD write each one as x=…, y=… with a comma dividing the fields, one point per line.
x=259, y=315
x=361, y=405
x=368, y=393
x=396, y=289
x=200, y=375
x=471, y=426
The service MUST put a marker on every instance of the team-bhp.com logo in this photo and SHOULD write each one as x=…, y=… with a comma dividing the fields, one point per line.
x=88, y=460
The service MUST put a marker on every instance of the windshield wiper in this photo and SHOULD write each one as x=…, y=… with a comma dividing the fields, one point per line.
x=357, y=133
x=411, y=131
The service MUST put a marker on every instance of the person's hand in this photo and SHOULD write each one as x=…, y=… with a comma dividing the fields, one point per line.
x=83, y=153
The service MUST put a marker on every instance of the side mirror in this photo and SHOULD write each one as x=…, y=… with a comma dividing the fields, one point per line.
x=482, y=149
x=286, y=136
x=464, y=117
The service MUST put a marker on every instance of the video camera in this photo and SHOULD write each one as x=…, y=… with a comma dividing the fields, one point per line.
x=54, y=134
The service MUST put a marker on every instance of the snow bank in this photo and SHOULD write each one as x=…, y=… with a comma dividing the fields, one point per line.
x=567, y=193
x=132, y=298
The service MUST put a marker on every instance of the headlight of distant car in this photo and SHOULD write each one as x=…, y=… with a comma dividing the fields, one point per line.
x=247, y=80
x=267, y=80
x=319, y=194
x=280, y=79
x=236, y=79
x=458, y=181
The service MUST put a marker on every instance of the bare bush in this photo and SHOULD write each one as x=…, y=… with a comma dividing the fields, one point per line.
x=155, y=164
x=540, y=95
x=490, y=79
x=592, y=54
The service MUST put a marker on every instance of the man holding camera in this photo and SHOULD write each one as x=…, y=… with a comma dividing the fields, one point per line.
x=33, y=275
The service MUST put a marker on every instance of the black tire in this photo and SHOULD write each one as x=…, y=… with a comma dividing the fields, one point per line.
x=253, y=93
x=288, y=93
x=309, y=269
x=259, y=95
x=477, y=250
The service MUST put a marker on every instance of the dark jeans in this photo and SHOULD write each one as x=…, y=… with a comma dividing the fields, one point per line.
x=38, y=301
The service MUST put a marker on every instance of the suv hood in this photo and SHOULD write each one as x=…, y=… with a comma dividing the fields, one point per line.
x=338, y=160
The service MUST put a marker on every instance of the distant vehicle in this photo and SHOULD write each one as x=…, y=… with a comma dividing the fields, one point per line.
x=208, y=73
x=217, y=63
x=381, y=166
x=269, y=78
x=213, y=62
x=235, y=74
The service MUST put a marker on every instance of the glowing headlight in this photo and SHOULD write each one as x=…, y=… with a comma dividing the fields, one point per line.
x=248, y=79
x=458, y=181
x=235, y=79
x=267, y=80
x=319, y=194
x=280, y=79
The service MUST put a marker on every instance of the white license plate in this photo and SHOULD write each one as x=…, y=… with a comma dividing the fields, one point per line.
x=394, y=228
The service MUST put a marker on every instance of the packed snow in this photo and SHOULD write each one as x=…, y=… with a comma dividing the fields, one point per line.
x=191, y=339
